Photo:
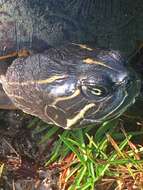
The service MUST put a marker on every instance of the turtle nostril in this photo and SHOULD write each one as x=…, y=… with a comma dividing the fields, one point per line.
x=128, y=81
x=125, y=82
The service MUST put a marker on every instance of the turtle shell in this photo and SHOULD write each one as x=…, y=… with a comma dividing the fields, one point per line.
x=116, y=25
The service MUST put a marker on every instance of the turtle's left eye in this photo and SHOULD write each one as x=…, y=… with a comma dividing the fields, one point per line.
x=97, y=91
x=94, y=92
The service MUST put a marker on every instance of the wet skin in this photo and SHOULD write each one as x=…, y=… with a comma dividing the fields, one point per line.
x=72, y=85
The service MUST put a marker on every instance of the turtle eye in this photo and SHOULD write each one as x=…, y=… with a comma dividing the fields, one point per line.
x=97, y=91
x=94, y=92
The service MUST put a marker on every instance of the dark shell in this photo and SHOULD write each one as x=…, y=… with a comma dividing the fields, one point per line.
x=38, y=24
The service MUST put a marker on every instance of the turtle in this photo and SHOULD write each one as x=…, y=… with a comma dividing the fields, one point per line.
x=49, y=70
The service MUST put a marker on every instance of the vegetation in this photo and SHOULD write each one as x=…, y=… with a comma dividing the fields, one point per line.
x=90, y=159
x=106, y=157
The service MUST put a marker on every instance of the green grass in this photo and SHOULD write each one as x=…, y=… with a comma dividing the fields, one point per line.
x=95, y=156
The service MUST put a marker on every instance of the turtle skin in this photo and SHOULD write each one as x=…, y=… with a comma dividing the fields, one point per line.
x=38, y=26
x=71, y=85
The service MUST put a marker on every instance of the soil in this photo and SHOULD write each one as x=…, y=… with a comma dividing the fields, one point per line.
x=21, y=154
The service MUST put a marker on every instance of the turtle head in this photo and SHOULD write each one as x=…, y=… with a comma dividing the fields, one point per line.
x=109, y=84
x=72, y=86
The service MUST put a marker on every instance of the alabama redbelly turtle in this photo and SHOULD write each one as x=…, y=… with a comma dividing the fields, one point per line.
x=55, y=76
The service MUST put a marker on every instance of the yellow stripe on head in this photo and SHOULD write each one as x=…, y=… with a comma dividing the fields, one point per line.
x=92, y=61
x=79, y=116
x=44, y=81
x=83, y=46
x=75, y=94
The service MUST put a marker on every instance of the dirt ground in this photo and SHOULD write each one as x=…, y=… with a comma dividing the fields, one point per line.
x=22, y=155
